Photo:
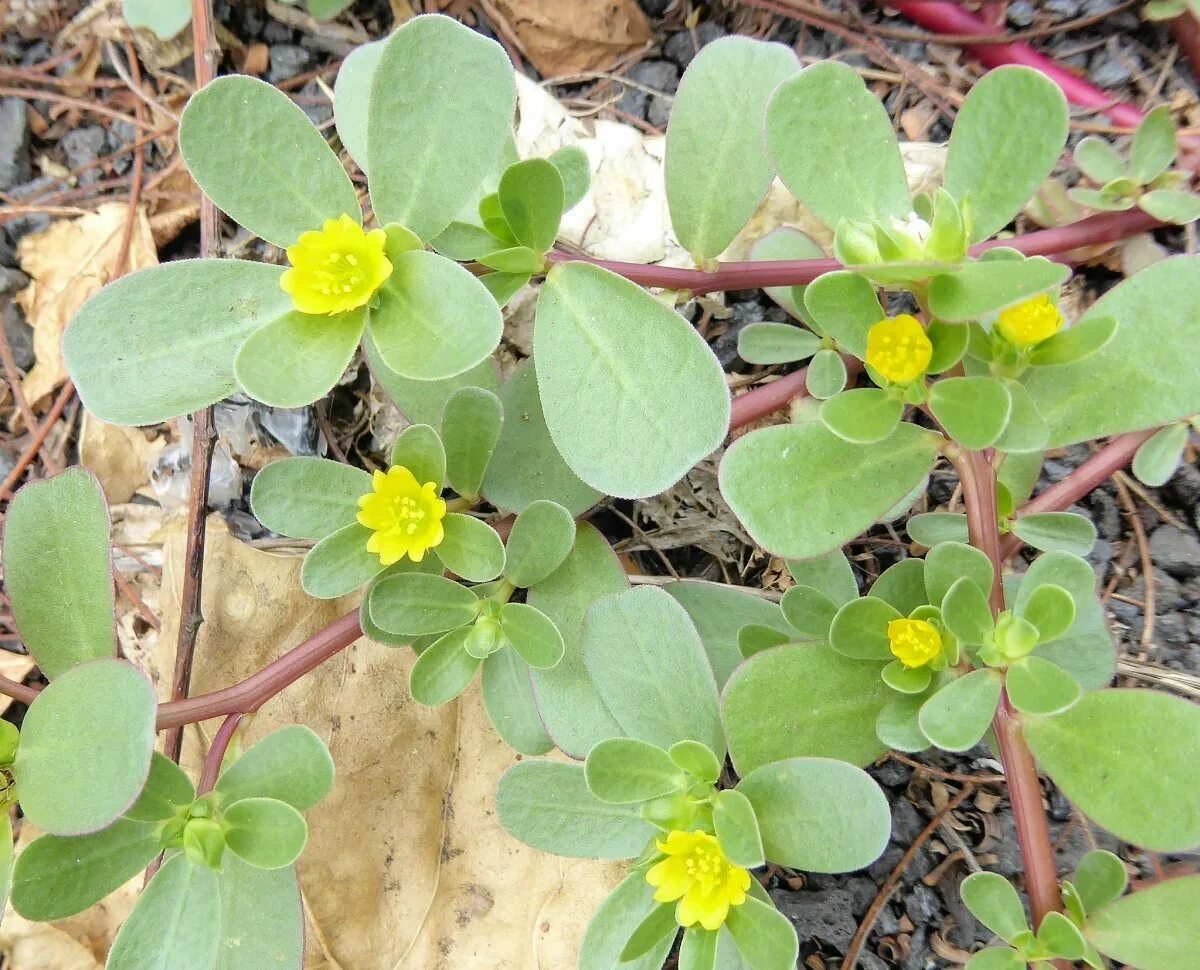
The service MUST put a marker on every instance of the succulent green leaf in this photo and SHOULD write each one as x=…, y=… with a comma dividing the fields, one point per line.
x=906, y=680
x=161, y=342
x=1158, y=456
x=569, y=701
x=897, y=726
x=575, y=171
x=1098, y=160
x=510, y=704
x=696, y=759
x=175, y=924
x=765, y=938
x=465, y=242
x=1177, y=206
x=864, y=416
x=958, y=715
x=85, y=747
x=859, y=629
x=433, y=319
x=307, y=498
x=787, y=483
x=541, y=538
x=547, y=805
x=262, y=918
x=471, y=426
x=613, y=364
x=1051, y=609
x=753, y=638
x=720, y=102
x=167, y=789
x=1039, y=687
x=650, y=668
x=1154, y=310
x=1061, y=937
x=1106, y=199
x=352, y=98
x=614, y=922
x=443, y=670
x=786, y=243
x=424, y=402
x=818, y=814
x=719, y=612
x=949, y=342
x=265, y=832
x=339, y=563
x=58, y=571
x=826, y=374
x=834, y=147
x=526, y=466
x=1100, y=878
x=165, y=18
x=1056, y=532
x=1154, y=929
x=830, y=573
x=1026, y=430
x=999, y=166
x=58, y=876
x=1154, y=146
x=930, y=528
x=517, y=261
x=298, y=358
x=532, y=634
x=624, y=771
x=776, y=343
x=966, y=613
x=532, y=197
x=278, y=187
x=823, y=705
x=419, y=449
x=973, y=410
x=809, y=611
x=291, y=764
x=650, y=933
x=414, y=604
x=948, y=561
x=471, y=548
x=1075, y=343
x=441, y=91
x=989, y=285
x=997, y=958
x=844, y=305
x=698, y=950
x=994, y=902
x=1113, y=754
x=737, y=829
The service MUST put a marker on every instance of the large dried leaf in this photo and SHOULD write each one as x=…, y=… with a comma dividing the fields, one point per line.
x=569, y=36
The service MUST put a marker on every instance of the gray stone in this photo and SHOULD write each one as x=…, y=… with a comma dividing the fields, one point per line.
x=1106, y=515
x=321, y=110
x=827, y=916
x=1185, y=484
x=660, y=76
x=681, y=48
x=288, y=60
x=1168, y=596
x=14, y=144
x=1063, y=9
x=1172, y=631
x=654, y=8
x=1175, y=551
x=1021, y=13
x=1101, y=555
x=18, y=333
x=7, y=464
x=12, y=281
x=921, y=904
x=82, y=146
x=906, y=822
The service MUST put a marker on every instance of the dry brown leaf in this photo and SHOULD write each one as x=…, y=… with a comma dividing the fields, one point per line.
x=569, y=36
x=120, y=457
x=68, y=262
x=407, y=866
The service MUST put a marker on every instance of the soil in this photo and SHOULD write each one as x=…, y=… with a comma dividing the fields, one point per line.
x=53, y=158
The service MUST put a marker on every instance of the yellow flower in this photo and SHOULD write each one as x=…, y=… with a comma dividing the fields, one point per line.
x=405, y=515
x=914, y=642
x=898, y=349
x=337, y=268
x=696, y=872
x=1031, y=322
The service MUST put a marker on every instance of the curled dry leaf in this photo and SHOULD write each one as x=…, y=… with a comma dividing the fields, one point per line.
x=68, y=262
x=569, y=36
x=120, y=457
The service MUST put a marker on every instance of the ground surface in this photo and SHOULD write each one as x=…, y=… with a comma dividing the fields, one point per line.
x=60, y=157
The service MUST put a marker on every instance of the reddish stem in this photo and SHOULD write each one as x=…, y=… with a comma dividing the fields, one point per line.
x=216, y=753
x=1185, y=30
x=1101, y=228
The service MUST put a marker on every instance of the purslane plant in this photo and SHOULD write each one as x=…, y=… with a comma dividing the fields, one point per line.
x=649, y=690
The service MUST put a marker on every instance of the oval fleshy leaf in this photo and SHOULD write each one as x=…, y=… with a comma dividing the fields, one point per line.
x=416, y=604
x=265, y=832
x=471, y=425
x=298, y=358
x=511, y=706
x=291, y=765
x=471, y=548
x=540, y=539
x=352, y=98
x=175, y=924
x=307, y=498
x=958, y=715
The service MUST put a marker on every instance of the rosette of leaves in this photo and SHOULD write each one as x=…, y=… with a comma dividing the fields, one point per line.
x=1141, y=930
x=1146, y=179
x=226, y=894
x=661, y=773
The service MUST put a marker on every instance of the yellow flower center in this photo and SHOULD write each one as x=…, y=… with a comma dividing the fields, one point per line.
x=404, y=515
x=914, y=642
x=898, y=349
x=1031, y=322
x=696, y=872
x=337, y=268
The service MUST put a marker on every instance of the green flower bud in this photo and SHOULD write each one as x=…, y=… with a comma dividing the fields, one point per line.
x=674, y=811
x=1013, y=637
x=947, y=240
x=204, y=842
x=9, y=739
x=854, y=244
x=485, y=638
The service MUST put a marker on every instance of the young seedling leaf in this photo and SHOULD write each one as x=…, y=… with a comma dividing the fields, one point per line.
x=443, y=670
x=532, y=634
x=696, y=759
x=291, y=765
x=1051, y=609
x=85, y=747
x=1158, y=456
x=307, y=498
x=1177, y=206
x=994, y=902
x=596, y=336
x=1154, y=146
x=817, y=814
x=958, y=715
x=547, y=805
x=58, y=571
x=625, y=771
x=776, y=343
x=541, y=538
x=826, y=374
x=1039, y=687
x=737, y=829
x=277, y=187
x=1098, y=160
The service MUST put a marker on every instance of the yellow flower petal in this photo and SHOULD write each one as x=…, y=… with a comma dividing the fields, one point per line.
x=405, y=518
x=914, y=642
x=696, y=872
x=1031, y=322
x=336, y=269
x=898, y=349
